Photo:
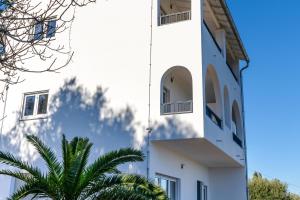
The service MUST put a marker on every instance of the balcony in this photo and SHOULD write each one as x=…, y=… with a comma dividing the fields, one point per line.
x=176, y=91
x=213, y=117
x=177, y=107
x=219, y=49
x=174, y=11
x=208, y=154
x=236, y=125
x=175, y=17
x=237, y=140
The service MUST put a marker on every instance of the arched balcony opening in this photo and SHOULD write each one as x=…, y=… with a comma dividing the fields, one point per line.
x=236, y=125
x=213, y=98
x=227, y=108
x=176, y=91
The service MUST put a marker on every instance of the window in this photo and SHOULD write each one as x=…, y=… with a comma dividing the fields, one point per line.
x=168, y=184
x=201, y=191
x=35, y=104
x=44, y=29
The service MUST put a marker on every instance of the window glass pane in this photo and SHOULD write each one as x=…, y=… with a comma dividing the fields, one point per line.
x=172, y=190
x=4, y=4
x=51, y=28
x=156, y=180
x=2, y=49
x=38, y=33
x=43, y=102
x=29, y=105
x=205, y=192
x=164, y=184
x=199, y=190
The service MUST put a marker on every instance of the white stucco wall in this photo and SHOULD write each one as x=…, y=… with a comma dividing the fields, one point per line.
x=227, y=183
x=167, y=162
x=111, y=42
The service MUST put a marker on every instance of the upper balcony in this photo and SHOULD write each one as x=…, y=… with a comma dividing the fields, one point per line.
x=217, y=21
x=172, y=11
x=176, y=91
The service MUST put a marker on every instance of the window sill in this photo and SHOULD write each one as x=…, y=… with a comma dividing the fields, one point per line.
x=34, y=117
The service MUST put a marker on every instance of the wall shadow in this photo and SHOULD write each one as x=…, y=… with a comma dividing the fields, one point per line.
x=74, y=111
x=173, y=128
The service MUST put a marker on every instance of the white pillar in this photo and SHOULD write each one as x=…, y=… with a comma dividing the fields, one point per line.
x=221, y=40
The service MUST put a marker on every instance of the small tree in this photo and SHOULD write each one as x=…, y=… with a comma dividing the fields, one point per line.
x=73, y=179
x=263, y=189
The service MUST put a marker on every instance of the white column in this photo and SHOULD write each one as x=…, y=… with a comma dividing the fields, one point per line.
x=221, y=40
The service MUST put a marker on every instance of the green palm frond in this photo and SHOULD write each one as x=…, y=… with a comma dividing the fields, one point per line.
x=111, y=160
x=108, y=163
x=9, y=159
x=48, y=156
x=79, y=150
x=72, y=179
x=134, y=185
x=34, y=188
x=17, y=174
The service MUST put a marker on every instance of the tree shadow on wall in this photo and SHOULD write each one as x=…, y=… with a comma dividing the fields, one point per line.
x=74, y=111
x=173, y=129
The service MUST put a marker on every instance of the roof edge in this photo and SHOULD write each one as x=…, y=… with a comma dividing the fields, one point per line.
x=233, y=26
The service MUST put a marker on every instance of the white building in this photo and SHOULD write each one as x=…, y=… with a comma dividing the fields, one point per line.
x=191, y=83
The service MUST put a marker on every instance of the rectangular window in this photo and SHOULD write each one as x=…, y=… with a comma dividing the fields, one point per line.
x=169, y=185
x=35, y=104
x=51, y=28
x=46, y=29
x=201, y=191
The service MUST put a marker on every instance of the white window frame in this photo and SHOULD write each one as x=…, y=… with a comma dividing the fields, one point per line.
x=169, y=178
x=35, y=115
x=203, y=191
x=45, y=28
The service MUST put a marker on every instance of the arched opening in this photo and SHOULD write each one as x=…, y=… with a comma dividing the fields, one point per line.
x=237, y=127
x=176, y=91
x=227, y=107
x=213, y=99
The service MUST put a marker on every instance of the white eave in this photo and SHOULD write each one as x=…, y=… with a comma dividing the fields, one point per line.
x=223, y=15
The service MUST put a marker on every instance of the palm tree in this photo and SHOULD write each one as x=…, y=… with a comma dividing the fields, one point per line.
x=74, y=179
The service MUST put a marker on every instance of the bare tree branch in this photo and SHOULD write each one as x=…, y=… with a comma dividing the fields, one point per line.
x=27, y=31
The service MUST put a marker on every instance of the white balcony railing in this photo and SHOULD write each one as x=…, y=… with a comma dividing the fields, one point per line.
x=177, y=107
x=175, y=17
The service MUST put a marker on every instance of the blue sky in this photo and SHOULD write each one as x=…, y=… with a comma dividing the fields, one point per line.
x=270, y=30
